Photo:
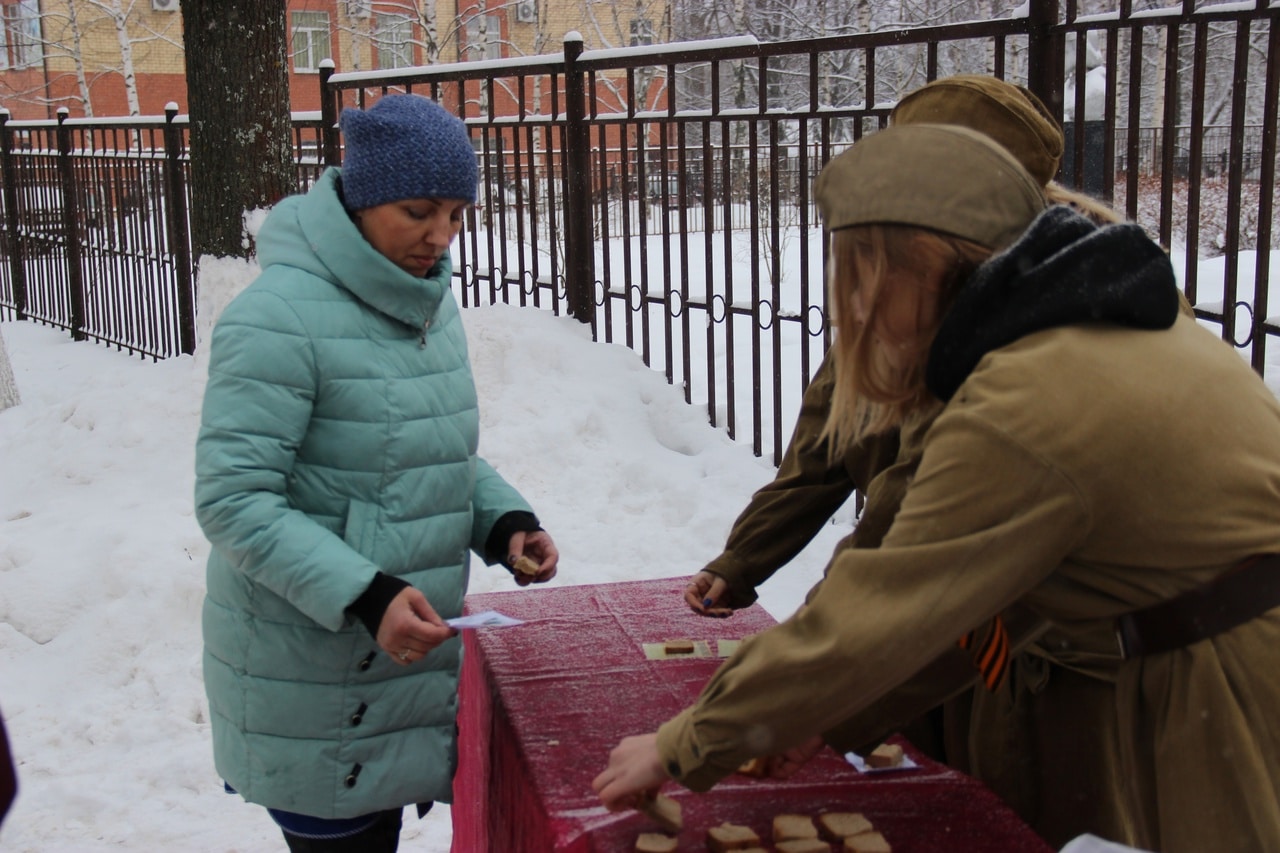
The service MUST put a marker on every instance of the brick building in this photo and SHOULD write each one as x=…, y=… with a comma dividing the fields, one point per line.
x=76, y=53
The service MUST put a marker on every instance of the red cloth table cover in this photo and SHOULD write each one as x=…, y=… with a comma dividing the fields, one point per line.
x=541, y=705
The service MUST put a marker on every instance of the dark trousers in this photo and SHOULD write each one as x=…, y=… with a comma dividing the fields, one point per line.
x=382, y=837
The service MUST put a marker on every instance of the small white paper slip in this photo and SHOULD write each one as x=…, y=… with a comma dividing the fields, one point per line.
x=857, y=761
x=487, y=619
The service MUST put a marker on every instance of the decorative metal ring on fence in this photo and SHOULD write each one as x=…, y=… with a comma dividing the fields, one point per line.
x=815, y=311
x=1249, y=339
x=674, y=310
x=528, y=284
x=718, y=299
x=562, y=287
x=639, y=303
x=601, y=293
x=760, y=322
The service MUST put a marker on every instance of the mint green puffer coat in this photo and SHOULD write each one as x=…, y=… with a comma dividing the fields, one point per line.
x=338, y=439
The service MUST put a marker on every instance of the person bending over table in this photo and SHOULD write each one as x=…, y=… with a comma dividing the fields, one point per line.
x=1029, y=674
x=1099, y=460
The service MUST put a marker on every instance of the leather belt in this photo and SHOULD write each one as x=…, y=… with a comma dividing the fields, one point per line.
x=1243, y=593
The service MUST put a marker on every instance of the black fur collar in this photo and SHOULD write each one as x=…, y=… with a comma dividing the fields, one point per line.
x=1063, y=270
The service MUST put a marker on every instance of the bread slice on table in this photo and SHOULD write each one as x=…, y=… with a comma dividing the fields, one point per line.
x=787, y=827
x=885, y=755
x=867, y=842
x=728, y=836
x=654, y=842
x=804, y=845
x=837, y=826
x=678, y=647
x=663, y=811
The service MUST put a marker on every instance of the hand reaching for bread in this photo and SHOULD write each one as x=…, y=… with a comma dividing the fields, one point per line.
x=704, y=593
x=634, y=773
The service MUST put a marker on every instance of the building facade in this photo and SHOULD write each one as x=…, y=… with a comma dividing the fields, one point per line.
x=125, y=57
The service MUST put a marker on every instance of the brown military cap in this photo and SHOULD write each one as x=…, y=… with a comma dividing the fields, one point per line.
x=1009, y=114
x=943, y=177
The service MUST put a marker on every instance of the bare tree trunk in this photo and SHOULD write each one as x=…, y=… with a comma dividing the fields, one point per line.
x=120, y=19
x=82, y=81
x=8, y=387
x=238, y=96
x=431, y=29
x=1157, y=103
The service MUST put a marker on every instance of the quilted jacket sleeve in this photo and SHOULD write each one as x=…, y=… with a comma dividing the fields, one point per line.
x=257, y=405
x=784, y=515
x=494, y=498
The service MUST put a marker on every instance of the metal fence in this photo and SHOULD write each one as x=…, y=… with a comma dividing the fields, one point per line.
x=662, y=193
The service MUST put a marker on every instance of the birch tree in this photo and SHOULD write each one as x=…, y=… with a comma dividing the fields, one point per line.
x=130, y=28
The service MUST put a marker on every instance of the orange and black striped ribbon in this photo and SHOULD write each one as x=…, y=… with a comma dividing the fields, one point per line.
x=991, y=656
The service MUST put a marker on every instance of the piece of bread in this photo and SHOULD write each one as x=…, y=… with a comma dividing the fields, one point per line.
x=836, y=826
x=788, y=827
x=654, y=842
x=804, y=845
x=663, y=811
x=678, y=647
x=867, y=842
x=728, y=836
x=754, y=767
x=885, y=755
x=526, y=566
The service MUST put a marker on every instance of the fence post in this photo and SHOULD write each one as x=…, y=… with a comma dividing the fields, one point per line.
x=13, y=242
x=1046, y=70
x=71, y=227
x=579, y=252
x=328, y=115
x=175, y=186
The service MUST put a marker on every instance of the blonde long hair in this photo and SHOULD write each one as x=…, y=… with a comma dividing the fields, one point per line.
x=1086, y=205
x=871, y=394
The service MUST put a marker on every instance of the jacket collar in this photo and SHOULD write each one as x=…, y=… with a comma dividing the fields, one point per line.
x=1063, y=270
x=353, y=264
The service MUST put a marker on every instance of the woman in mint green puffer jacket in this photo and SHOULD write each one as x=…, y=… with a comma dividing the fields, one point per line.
x=338, y=483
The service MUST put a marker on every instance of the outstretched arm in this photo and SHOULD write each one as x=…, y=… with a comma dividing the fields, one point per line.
x=783, y=516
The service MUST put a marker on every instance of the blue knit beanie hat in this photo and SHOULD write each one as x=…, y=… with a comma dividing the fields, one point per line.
x=405, y=146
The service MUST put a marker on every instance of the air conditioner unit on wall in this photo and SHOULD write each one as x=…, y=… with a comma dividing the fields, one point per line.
x=164, y=5
x=526, y=11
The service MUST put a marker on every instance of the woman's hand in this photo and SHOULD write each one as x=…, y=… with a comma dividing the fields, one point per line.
x=704, y=593
x=411, y=628
x=537, y=546
x=635, y=770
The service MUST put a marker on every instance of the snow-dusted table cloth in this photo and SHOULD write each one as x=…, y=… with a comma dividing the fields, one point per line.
x=542, y=704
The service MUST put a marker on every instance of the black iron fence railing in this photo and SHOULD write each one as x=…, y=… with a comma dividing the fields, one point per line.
x=662, y=193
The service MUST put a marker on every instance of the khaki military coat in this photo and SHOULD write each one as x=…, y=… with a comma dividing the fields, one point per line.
x=1083, y=472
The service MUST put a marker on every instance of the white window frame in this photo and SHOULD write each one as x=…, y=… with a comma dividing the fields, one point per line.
x=393, y=40
x=641, y=31
x=24, y=40
x=305, y=25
